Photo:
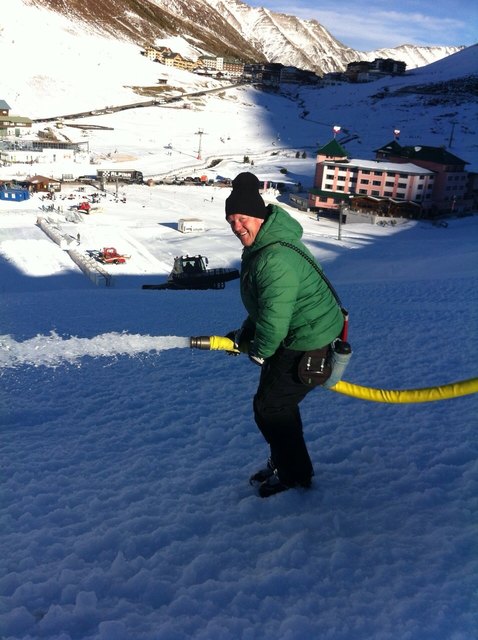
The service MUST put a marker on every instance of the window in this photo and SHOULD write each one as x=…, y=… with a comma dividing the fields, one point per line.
x=362, y=181
x=376, y=183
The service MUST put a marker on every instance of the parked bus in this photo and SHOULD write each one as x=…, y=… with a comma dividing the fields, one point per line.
x=113, y=175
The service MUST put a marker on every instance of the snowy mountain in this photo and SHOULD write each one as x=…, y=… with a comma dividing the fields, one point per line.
x=307, y=44
x=231, y=28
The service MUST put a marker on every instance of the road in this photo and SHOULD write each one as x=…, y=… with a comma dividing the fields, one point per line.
x=157, y=102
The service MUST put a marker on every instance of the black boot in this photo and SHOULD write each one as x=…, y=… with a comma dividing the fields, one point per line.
x=271, y=486
x=263, y=474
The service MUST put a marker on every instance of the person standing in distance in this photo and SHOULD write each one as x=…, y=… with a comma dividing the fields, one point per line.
x=290, y=310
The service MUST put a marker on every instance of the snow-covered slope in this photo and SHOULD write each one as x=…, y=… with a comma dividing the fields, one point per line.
x=412, y=55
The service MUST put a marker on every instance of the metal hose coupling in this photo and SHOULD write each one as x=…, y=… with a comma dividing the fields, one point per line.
x=201, y=342
x=212, y=343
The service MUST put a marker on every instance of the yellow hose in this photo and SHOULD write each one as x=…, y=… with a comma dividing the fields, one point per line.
x=426, y=394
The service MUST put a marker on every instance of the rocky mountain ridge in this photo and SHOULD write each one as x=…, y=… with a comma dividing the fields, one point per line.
x=231, y=28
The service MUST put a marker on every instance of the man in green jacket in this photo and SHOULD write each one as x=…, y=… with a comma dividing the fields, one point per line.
x=291, y=310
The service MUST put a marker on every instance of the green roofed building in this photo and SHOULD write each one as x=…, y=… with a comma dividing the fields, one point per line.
x=11, y=124
x=332, y=150
x=437, y=156
x=452, y=188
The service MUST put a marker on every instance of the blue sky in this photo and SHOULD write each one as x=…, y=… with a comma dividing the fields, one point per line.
x=377, y=24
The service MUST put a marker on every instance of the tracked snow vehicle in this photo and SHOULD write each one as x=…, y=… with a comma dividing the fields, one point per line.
x=191, y=272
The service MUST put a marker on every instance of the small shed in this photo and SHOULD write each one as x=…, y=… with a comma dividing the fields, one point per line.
x=189, y=225
x=42, y=183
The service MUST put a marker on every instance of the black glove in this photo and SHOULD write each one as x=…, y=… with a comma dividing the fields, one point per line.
x=234, y=336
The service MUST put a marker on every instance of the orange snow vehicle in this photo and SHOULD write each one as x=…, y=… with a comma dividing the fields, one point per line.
x=109, y=255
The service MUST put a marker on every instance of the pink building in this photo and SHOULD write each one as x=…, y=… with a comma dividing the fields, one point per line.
x=431, y=179
x=337, y=178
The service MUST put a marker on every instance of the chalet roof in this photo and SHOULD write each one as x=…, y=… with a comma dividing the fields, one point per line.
x=332, y=150
x=390, y=148
x=15, y=119
x=40, y=179
x=438, y=155
x=173, y=56
x=433, y=154
x=4, y=106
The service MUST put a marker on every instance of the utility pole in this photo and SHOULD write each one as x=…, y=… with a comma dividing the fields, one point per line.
x=199, y=133
x=341, y=208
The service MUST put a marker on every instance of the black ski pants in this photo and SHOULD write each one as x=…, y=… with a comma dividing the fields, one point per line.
x=276, y=412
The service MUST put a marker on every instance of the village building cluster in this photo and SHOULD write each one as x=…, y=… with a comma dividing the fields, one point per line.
x=15, y=146
x=364, y=71
x=273, y=73
x=270, y=74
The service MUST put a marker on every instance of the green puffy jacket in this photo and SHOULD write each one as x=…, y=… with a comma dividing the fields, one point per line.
x=288, y=303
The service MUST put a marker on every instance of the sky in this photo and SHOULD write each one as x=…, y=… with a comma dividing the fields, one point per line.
x=377, y=24
x=126, y=511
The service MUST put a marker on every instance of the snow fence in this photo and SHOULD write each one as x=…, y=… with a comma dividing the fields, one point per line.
x=89, y=266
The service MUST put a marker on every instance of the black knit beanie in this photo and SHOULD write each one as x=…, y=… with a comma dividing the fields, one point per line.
x=245, y=197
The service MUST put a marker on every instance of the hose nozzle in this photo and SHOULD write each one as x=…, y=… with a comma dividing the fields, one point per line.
x=201, y=342
x=212, y=343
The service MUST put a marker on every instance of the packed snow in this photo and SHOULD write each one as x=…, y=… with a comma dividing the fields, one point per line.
x=126, y=511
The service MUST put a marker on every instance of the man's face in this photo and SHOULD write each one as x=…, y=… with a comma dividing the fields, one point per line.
x=245, y=227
